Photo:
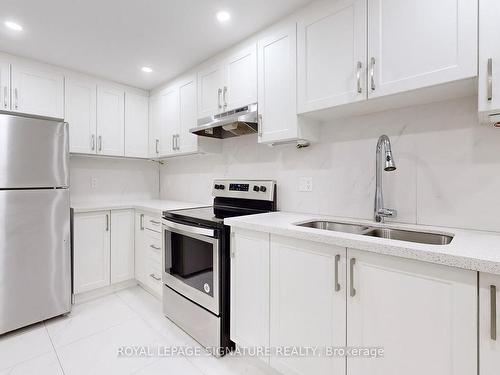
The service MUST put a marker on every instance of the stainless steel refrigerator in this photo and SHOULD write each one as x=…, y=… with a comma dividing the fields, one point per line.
x=35, y=244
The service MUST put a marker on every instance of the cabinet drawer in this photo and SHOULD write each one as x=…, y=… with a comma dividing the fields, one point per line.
x=153, y=276
x=152, y=223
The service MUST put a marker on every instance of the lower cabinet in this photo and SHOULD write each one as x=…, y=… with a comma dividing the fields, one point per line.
x=103, y=249
x=489, y=334
x=419, y=318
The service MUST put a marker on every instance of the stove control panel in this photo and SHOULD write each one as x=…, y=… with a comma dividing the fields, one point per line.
x=246, y=189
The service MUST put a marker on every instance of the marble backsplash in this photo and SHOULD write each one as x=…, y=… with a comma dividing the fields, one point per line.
x=448, y=168
x=116, y=179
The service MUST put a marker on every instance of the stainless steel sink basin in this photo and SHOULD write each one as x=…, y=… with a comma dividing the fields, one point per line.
x=336, y=227
x=389, y=233
x=411, y=236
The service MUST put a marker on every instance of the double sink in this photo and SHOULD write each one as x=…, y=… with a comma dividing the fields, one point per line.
x=381, y=232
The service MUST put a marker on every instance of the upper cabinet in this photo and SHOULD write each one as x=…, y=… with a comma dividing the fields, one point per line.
x=37, y=90
x=110, y=120
x=136, y=124
x=228, y=84
x=80, y=113
x=4, y=85
x=420, y=43
x=332, y=55
x=170, y=124
x=156, y=117
x=489, y=59
x=186, y=141
x=277, y=94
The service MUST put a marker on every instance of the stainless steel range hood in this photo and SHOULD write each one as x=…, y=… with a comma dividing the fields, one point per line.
x=239, y=121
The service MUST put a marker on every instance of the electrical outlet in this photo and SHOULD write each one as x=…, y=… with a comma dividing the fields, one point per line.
x=93, y=182
x=306, y=184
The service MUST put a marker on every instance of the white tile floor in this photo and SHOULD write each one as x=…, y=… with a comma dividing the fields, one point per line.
x=87, y=341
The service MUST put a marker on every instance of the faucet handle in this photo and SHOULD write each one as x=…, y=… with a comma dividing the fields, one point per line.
x=387, y=212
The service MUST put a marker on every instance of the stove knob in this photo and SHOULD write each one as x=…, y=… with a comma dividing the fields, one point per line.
x=217, y=187
x=263, y=189
x=256, y=188
x=222, y=187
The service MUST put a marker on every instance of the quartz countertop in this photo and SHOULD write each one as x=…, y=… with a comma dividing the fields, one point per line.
x=156, y=206
x=472, y=250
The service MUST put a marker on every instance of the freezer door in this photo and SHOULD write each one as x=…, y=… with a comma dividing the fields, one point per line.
x=33, y=152
x=35, y=256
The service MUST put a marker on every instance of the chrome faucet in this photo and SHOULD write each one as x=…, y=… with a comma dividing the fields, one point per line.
x=380, y=211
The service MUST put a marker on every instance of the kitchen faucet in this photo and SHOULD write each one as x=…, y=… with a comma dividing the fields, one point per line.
x=380, y=212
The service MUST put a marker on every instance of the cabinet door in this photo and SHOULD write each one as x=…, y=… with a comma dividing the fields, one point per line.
x=277, y=82
x=489, y=318
x=240, y=88
x=37, y=91
x=122, y=245
x=170, y=125
x=156, y=117
x=91, y=258
x=4, y=85
x=210, y=85
x=136, y=125
x=489, y=56
x=110, y=121
x=188, y=142
x=308, y=304
x=332, y=55
x=80, y=113
x=419, y=43
x=250, y=288
x=423, y=315
x=140, y=253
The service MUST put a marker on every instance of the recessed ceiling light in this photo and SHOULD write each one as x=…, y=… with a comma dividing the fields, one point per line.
x=13, y=26
x=146, y=69
x=223, y=16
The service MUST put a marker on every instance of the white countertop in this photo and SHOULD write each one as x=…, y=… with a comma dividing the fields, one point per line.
x=156, y=206
x=473, y=250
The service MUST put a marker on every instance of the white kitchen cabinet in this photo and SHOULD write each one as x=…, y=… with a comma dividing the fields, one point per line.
x=489, y=317
x=186, y=141
x=211, y=82
x=170, y=125
x=4, y=85
x=249, y=288
x=92, y=257
x=240, y=88
x=140, y=256
x=308, y=304
x=277, y=94
x=80, y=113
x=423, y=315
x=136, y=125
x=332, y=55
x=37, y=90
x=110, y=120
x=489, y=59
x=122, y=245
x=420, y=43
x=156, y=119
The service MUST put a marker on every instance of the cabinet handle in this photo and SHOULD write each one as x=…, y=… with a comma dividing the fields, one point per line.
x=359, y=68
x=154, y=277
x=155, y=247
x=224, y=97
x=142, y=222
x=5, y=94
x=219, y=92
x=337, y=261
x=156, y=145
x=100, y=142
x=16, y=98
x=173, y=142
x=154, y=222
x=352, y=291
x=107, y=222
x=490, y=79
x=493, y=312
x=92, y=142
x=178, y=142
x=372, y=73
x=259, y=125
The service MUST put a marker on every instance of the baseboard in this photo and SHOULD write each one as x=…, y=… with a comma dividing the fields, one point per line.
x=110, y=289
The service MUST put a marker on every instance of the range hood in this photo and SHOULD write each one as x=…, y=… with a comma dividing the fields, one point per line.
x=239, y=121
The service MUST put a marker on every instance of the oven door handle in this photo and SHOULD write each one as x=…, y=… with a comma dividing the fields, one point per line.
x=189, y=229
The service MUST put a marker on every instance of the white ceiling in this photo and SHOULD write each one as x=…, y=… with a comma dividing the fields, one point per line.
x=113, y=39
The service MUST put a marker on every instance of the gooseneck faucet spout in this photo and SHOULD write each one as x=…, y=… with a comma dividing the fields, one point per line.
x=380, y=212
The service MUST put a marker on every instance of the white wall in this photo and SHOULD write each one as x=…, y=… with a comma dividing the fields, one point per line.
x=448, y=167
x=117, y=179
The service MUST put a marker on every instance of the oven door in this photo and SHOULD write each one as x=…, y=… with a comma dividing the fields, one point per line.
x=191, y=263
